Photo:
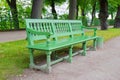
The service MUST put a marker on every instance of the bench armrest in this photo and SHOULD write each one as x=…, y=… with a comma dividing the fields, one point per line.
x=91, y=28
x=47, y=34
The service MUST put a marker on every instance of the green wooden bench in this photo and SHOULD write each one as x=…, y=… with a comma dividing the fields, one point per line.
x=53, y=35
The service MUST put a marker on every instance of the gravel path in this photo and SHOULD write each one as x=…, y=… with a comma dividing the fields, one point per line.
x=103, y=64
x=12, y=36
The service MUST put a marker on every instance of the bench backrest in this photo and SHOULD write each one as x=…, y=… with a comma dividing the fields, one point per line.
x=57, y=27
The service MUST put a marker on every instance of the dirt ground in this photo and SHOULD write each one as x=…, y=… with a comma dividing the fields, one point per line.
x=12, y=35
x=102, y=64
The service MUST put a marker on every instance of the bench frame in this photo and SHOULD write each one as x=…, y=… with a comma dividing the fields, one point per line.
x=97, y=42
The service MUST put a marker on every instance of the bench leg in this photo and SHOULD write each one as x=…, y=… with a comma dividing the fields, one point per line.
x=94, y=44
x=70, y=54
x=84, y=49
x=31, y=58
x=48, y=68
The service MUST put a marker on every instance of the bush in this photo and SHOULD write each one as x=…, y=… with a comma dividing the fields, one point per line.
x=3, y=25
x=96, y=22
x=111, y=22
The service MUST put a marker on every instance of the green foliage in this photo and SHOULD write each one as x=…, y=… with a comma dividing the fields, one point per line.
x=58, y=2
x=92, y=2
x=3, y=24
x=96, y=22
x=6, y=20
x=64, y=16
x=84, y=20
x=7, y=23
x=111, y=22
x=111, y=8
x=114, y=3
x=83, y=3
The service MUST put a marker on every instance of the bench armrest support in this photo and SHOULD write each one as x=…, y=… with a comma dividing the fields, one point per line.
x=47, y=34
x=91, y=28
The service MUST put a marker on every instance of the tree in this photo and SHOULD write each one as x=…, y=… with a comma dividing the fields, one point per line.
x=117, y=18
x=84, y=6
x=72, y=9
x=52, y=3
x=112, y=10
x=53, y=9
x=103, y=14
x=93, y=4
x=14, y=12
x=116, y=4
x=37, y=8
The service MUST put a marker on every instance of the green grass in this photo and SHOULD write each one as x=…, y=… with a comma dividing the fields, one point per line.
x=108, y=34
x=14, y=56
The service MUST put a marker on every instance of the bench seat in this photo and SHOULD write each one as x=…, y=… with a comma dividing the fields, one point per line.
x=54, y=45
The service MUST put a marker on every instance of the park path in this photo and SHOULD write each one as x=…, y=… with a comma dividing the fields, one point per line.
x=12, y=36
x=102, y=64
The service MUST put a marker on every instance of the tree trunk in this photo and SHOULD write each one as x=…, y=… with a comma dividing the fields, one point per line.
x=112, y=16
x=53, y=9
x=77, y=9
x=117, y=18
x=14, y=13
x=93, y=13
x=84, y=20
x=83, y=12
x=72, y=9
x=37, y=9
x=103, y=14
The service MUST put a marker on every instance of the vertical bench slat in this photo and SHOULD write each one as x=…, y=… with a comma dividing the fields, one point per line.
x=53, y=27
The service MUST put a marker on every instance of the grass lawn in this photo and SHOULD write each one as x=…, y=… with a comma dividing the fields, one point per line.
x=14, y=56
